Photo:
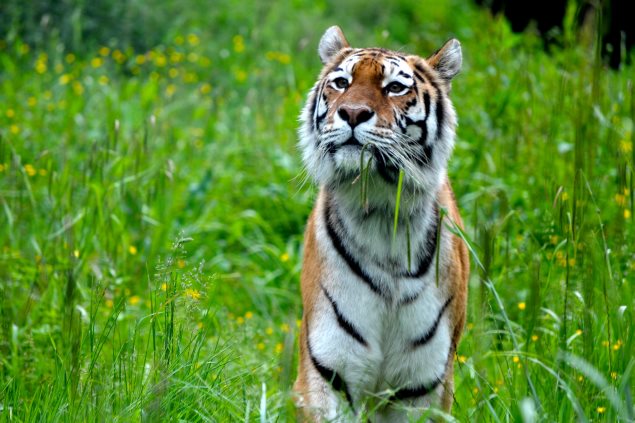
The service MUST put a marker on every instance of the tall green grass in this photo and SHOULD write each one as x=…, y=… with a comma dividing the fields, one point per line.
x=151, y=214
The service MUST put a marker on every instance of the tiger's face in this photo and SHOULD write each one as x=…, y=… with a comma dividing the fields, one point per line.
x=382, y=110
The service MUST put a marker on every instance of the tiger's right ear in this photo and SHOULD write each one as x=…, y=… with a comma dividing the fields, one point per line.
x=331, y=43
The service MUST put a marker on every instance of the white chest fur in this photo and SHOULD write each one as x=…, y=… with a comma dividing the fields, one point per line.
x=380, y=326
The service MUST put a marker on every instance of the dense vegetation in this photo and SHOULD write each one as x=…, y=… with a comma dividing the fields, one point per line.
x=152, y=209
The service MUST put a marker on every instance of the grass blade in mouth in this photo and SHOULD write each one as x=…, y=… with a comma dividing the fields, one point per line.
x=397, y=204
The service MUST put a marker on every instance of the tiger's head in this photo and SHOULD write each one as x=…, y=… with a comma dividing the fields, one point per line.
x=380, y=110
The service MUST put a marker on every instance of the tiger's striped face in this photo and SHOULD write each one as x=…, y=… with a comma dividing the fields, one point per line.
x=390, y=109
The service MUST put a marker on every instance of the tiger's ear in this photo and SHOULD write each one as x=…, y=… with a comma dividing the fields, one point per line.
x=331, y=43
x=447, y=60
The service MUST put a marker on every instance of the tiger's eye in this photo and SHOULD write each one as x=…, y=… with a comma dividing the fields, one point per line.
x=341, y=83
x=395, y=87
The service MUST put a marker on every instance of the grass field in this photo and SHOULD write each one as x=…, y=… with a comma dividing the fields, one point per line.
x=151, y=212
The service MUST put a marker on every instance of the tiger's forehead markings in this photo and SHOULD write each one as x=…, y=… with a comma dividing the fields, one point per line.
x=398, y=69
x=392, y=67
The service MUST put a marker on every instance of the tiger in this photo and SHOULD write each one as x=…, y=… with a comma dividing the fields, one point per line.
x=384, y=293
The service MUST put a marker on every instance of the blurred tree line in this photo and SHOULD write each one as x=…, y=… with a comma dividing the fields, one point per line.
x=141, y=24
x=81, y=24
x=611, y=18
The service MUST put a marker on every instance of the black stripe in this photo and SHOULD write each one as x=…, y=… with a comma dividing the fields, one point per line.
x=440, y=113
x=387, y=170
x=433, y=329
x=343, y=252
x=343, y=322
x=431, y=247
x=426, y=103
x=404, y=74
x=416, y=392
x=320, y=118
x=426, y=74
x=330, y=375
x=312, y=111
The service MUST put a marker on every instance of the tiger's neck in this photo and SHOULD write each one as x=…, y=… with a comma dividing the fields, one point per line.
x=368, y=231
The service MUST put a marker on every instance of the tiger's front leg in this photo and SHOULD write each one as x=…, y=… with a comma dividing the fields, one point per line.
x=315, y=397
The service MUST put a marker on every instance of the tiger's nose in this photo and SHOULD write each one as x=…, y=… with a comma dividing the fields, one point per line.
x=355, y=115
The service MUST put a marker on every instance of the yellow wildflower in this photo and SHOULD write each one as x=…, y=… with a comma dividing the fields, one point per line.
x=534, y=338
x=240, y=320
x=10, y=113
x=64, y=79
x=30, y=170
x=614, y=375
x=134, y=300
x=78, y=88
x=40, y=67
x=70, y=58
x=119, y=56
x=173, y=73
x=515, y=359
x=578, y=332
x=522, y=305
x=109, y=303
x=103, y=80
x=176, y=57
x=205, y=88
x=192, y=57
x=31, y=101
x=104, y=51
x=260, y=346
x=279, y=348
x=132, y=250
x=193, y=40
x=164, y=286
x=461, y=359
x=601, y=410
x=76, y=253
x=179, y=40
x=193, y=293
x=269, y=330
x=160, y=60
x=97, y=62
x=620, y=199
x=180, y=263
x=241, y=75
x=249, y=315
x=239, y=45
x=626, y=146
x=627, y=214
x=564, y=196
x=284, y=327
x=14, y=129
x=1, y=167
x=284, y=257
x=140, y=59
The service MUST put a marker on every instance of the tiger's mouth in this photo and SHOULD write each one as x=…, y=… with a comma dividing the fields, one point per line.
x=350, y=142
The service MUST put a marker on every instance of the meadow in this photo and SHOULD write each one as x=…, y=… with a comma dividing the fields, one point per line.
x=152, y=207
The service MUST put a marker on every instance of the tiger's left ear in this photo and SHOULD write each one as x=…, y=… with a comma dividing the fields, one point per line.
x=331, y=43
x=447, y=60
